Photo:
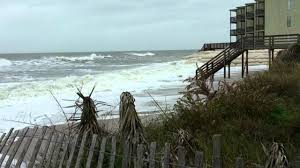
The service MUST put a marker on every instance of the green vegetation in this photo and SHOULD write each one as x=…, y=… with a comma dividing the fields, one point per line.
x=261, y=108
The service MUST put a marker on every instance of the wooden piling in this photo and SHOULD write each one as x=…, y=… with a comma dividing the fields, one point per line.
x=224, y=65
x=243, y=65
x=229, y=70
x=269, y=51
x=272, y=53
x=247, y=62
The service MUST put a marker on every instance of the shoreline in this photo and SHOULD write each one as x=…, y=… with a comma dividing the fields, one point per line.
x=110, y=122
x=169, y=95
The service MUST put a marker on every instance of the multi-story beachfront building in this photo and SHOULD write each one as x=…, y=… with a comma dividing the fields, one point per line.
x=265, y=17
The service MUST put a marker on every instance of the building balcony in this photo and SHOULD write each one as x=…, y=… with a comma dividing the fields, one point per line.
x=250, y=15
x=240, y=31
x=260, y=12
x=233, y=19
x=233, y=32
x=240, y=18
x=250, y=28
x=260, y=27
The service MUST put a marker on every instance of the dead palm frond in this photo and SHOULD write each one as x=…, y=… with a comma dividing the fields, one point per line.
x=130, y=125
x=88, y=119
x=276, y=157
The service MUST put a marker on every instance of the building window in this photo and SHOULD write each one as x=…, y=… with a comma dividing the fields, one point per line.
x=290, y=4
x=289, y=21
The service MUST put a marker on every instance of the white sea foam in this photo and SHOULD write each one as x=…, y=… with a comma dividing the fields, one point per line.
x=58, y=60
x=5, y=62
x=83, y=58
x=32, y=100
x=142, y=54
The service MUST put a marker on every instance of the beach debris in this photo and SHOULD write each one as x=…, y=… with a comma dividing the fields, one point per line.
x=276, y=156
x=130, y=125
x=88, y=119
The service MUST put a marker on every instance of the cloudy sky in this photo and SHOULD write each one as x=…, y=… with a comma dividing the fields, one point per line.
x=106, y=25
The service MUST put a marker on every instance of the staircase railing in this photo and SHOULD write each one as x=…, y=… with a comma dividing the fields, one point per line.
x=219, y=60
x=246, y=43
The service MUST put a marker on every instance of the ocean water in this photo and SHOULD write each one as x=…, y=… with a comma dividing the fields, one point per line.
x=27, y=80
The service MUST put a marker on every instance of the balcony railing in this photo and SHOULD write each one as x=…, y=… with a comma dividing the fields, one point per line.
x=260, y=12
x=250, y=28
x=260, y=27
x=233, y=19
x=240, y=31
x=250, y=15
x=233, y=32
x=240, y=18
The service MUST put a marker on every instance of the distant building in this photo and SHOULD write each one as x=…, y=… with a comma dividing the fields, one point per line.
x=265, y=17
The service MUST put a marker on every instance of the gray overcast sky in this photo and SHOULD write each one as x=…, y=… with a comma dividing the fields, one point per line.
x=109, y=25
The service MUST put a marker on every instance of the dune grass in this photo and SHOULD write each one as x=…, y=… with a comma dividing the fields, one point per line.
x=261, y=108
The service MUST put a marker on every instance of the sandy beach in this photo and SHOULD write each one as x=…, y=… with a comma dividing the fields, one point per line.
x=256, y=57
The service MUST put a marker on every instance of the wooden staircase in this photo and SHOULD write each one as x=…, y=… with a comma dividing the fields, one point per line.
x=220, y=61
x=234, y=50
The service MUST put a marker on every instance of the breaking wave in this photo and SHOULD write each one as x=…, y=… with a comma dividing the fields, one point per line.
x=56, y=60
x=91, y=57
x=5, y=62
x=142, y=54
